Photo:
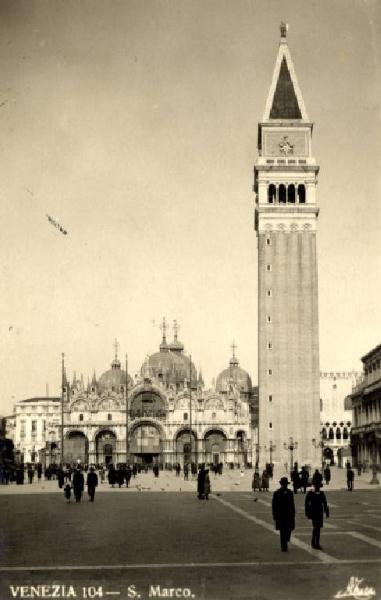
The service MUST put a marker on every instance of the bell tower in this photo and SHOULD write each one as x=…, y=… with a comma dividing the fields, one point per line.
x=286, y=213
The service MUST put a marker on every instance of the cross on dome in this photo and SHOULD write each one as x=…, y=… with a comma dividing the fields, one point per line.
x=116, y=347
x=176, y=328
x=163, y=327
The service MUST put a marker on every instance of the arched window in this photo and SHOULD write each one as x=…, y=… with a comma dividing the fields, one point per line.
x=109, y=417
x=338, y=433
x=81, y=417
x=345, y=433
x=282, y=194
x=271, y=195
x=324, y=433
x=301, y=193
x=291, y=193
x=331, y=434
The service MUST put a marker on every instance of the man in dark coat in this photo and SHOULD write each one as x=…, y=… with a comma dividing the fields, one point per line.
x=201, y=483
x=39, y=471
x=315, y=506
x=92, y=483
x=350, y=478
x=304, y=479
x=61, y=477
x=295, y=479
x=78, y=484
x=284, y=512
x=128, y=475
x=317, y=477
x=327, y=474
x=111, y=475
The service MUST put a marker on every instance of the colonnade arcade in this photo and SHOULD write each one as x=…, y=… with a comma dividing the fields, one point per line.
x=148, y=443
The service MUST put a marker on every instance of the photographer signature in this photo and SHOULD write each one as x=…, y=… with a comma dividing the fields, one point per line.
x=353, y=590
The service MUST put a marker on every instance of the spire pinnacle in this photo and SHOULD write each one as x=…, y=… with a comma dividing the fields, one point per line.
x=233, y=360
x=283, y=31
x=164, y=346
x=116, y=347
x=175, y=330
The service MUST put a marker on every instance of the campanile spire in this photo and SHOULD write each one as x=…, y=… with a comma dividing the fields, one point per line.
x=286, y=214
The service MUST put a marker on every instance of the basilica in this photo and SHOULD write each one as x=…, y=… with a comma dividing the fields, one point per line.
x=164, y=415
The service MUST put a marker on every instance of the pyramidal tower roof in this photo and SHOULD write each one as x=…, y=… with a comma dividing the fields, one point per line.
x=285, y=101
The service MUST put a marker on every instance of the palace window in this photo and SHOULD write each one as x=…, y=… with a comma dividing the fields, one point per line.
x=338, y=433
x=269, y=345
x=269, y=293
x=270, y=397
x=345, y=433
x=268, y=319
x=109, y=417
x=331, y=434
x=268, y=267
x=81, y=417
x=185, y=416
x=270, y=425
x=268, y=241
x=324, y=434
x=270, y=371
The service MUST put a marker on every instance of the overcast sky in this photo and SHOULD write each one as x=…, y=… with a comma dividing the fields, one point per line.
x=134, y=125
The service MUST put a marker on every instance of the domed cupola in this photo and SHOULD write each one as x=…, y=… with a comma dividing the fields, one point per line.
x=115, y=378
x=235, y=376
x=170, y=366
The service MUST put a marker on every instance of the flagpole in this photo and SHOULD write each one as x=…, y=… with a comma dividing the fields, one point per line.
x=62, y=407
x=190, y=407
x=127, y=445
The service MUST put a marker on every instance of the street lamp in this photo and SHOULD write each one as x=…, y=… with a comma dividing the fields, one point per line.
x=374, y=480
x=319, y=444
x=291, y=446
x=271, y=448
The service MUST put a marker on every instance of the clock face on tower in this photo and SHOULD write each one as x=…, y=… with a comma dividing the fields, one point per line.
x=285, y=143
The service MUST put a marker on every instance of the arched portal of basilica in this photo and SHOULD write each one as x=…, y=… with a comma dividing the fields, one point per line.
x=105, y=444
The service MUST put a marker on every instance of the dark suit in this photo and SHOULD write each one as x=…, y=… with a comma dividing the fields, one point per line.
x=92, y=482
x=284, y=514
x=78, y=485
x=315, y=506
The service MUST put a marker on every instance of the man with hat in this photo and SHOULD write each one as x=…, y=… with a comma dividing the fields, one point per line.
x=315, y=506
x=284, y=512
x=92, y=483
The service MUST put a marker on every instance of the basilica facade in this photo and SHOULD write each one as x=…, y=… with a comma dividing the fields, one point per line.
x=164, y=415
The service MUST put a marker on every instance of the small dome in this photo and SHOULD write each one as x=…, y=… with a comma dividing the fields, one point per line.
x=235, y=375
x=114, y=377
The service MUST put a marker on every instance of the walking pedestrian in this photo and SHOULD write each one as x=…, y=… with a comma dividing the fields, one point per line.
x=207, y=487
x=67, y=491
x=92, y=483
x=265, y=481
x=350, y=478
x=315, y=507
x=327, y=474
x=30, y=473
x=78, y=484
x=201, y=483
x=111, y=476
x=39, y=471
x=155, y=469
x=283, y=509
x=317, y=477
x=186, y=472
x=128, y=475
x=61, y=477
x=304, y=479
x=256, y=483
x=134, y=470
x=295, y=479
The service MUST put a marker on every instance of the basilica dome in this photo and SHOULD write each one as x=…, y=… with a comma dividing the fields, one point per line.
x=170, y=366
x=114, y=378
x=236, y=376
